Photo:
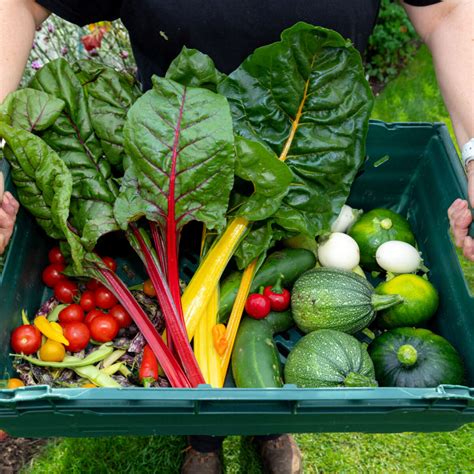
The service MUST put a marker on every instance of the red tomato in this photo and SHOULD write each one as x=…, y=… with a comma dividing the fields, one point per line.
x=78, y=335
x=87, y=300
x=123, y=318
x=26, y=339
x=110, y=262
x=92, y=314
x=104, y=298
x=52, y=274
x=71, y=314
x=55, y=256
x=104, y=328
x=65, y=291
x=93, y=285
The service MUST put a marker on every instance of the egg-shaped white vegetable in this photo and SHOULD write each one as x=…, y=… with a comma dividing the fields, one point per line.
x=398, y=257
x=339, y=251
x=345, y=219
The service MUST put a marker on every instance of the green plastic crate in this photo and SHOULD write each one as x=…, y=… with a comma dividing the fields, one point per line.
x=421, y=178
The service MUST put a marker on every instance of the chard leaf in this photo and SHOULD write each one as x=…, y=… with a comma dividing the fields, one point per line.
x=72, y=137
x=270, y=177
x=193, y=68
x=306, y=98
x=30, y=110
x=181, y=149
x=43, y=183
x=109, y=96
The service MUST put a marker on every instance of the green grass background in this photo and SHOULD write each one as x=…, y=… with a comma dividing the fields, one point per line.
x=413, y=96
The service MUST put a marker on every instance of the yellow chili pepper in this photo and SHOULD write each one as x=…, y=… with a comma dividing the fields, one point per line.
x=50, y=330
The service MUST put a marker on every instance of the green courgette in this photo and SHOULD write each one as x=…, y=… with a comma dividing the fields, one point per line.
x=290, y=263
x=255, y=360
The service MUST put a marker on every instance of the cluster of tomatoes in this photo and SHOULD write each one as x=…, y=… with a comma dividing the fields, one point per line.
x=91, y=314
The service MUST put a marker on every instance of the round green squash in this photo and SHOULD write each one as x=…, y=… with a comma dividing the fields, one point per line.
x=409, y=357
x=328, y=358
x=327, y=298
x=376, y=227
x=420, y=301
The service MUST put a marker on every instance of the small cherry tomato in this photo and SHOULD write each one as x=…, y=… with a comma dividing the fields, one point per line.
x=52, y=351
x=119, y=313
x=78, y=335
x=279, y=297
x=15, y=383
x=257, y=306
x=104, y=298
x=149, y=289
x=87, y=300
x=104, y=328
x=110, y=262
x=26, y=339
x=52, y=274
x=71, y=314
x=55, y=256
x=93, y=285
x=91, y=315
x=65, y=291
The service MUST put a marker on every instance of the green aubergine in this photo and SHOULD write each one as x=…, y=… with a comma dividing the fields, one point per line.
x=328, y=358
x=409, y=357
x=255, y=359
x=290, y=263
x=327, y=298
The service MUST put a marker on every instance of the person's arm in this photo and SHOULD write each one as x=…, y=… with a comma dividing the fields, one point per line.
x=447, y=29
x=18, y=21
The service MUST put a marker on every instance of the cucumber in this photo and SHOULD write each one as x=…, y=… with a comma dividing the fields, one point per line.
x=255, y=360
x=290, y=263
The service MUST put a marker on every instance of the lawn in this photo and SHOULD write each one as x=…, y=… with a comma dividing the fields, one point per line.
x=411, y=97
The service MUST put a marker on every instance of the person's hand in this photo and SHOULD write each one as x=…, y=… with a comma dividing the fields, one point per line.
x=460, y=218
x=8, y=211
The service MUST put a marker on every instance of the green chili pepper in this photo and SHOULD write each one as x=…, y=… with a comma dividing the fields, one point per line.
x=96, y=376
x=71, y=362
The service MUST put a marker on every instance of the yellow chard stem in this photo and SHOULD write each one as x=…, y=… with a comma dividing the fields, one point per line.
x=201, y=342
x=236, y=314
x=198, y=293
x=214, y=359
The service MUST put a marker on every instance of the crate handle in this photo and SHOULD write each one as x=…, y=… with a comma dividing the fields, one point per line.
x=30, y=394
x=453, y=392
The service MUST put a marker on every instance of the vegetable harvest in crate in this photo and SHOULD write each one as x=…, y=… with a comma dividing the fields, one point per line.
x=258, y=160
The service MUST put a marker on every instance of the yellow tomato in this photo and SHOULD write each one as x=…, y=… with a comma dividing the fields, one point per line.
x=89, y=385
x=52, y=351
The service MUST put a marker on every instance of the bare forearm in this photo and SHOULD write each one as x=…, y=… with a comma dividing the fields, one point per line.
x=18, y=20
x=450, y=38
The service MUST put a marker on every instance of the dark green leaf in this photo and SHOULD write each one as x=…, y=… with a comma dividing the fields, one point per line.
x=178, y=137
x=306, y=98
x=72, y=137
x=270, y=177
x=109, y=95
x=193, y=68
x=30, y=110
x=43, y=183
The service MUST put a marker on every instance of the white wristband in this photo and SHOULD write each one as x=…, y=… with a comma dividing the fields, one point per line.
x=467, y=153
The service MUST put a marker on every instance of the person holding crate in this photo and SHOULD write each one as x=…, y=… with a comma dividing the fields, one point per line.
x=228, y=32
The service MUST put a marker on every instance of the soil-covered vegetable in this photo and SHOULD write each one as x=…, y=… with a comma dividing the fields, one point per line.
x=328, y=358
